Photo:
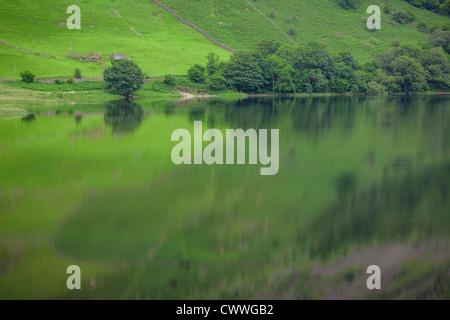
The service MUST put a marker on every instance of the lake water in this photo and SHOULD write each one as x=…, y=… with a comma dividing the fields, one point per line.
x=362, y=181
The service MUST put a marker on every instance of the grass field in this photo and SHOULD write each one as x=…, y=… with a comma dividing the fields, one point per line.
x=236, y=24
x=39, y=26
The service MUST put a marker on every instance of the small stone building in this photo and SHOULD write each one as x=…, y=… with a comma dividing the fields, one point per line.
x=118, y=56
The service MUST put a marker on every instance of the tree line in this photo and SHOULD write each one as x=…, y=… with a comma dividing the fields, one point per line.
x=310, y=68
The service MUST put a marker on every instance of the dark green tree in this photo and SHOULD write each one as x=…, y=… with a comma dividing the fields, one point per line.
x=169, y=80
x=375, y=89
x=212, y=65
x=27, y=77
x=123, y=78
x=244, y=73
x=285, y=82
x=411, y=76
x=349, y=4
x=267, y=47
x=440, y=38
x=316, y=80
x=274, y=66
x=438, y=66
x=347, y=59
x=197, y=73
x=402, y=17
x=217, y=82
x=77, y=74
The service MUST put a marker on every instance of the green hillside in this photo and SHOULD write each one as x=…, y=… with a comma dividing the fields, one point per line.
x=237, y=24
x=39, y=27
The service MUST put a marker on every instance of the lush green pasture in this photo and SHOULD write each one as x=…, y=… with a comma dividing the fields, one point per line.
x=321, y=21
x=38, y=26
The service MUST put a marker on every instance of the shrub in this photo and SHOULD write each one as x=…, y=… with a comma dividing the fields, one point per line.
x=57, y=81
x=217, y=82
x=77, y=74
x=395, y=42
x=197, y=73
x=349, y=4
x=440, y=39
x=292, y=32
x=70, y=81
x=213, y=64
x=403, y=17
x=375, y=89
x=169, y=80
x=272, y=14
x=387, y=10
x=27, y=77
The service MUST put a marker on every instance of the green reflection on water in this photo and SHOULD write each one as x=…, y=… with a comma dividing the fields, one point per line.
x=361, y=180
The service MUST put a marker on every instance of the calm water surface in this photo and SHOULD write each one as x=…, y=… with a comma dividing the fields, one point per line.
x=362, y=181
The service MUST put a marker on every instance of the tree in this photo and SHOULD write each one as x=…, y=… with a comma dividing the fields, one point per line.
x=267, y=47
x=402, y=17
x=213, y=65
x=244, y=72
x=348, y=59
x=217, y=82
x=27, y=77
x=285, y=83
x=169, y=80
x=438, y=66
x=409, y=50
x=123, y=78
x=436, y=57
x=314, y=56
x=349, y=4
x=375, y=89
x=77, y=74
x=411, y=76
x=317, y=80
x=197, y=73
x=274, y=66
x=440, y=38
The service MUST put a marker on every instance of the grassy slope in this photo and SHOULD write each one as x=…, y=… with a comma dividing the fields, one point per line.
x=38, y=26
x=320, y=20
x=35, y=25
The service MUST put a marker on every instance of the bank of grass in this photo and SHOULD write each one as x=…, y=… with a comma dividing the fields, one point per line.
x=39, y=26
x=236, y=24
x=18, y=99
x=50, y=94
x=88, y=90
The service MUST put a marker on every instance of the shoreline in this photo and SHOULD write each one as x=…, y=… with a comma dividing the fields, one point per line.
x=90, y=91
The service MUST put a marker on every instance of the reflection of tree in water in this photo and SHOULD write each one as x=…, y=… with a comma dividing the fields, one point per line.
x=124, y=116
x=253, y=113
x=30, y=117
x=196, y=114
x=322, y=113
x=405, y=204
x=244, y=114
